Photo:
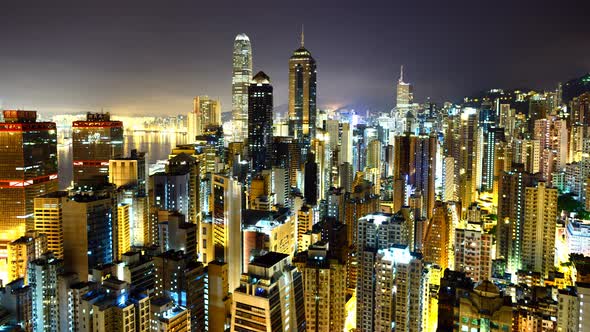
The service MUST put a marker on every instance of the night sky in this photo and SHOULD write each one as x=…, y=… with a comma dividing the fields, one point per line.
x=152, y=57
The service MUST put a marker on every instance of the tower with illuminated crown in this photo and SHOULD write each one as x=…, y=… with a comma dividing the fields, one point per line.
x=302, y=96
x=241, y=76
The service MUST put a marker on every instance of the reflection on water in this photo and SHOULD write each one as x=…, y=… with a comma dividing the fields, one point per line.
x=156, y=145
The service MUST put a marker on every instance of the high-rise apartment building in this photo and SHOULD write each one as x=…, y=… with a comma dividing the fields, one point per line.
x=469, y=161
x=270, y=296
x=218, y=296
x=473, y=251
x=226, y=214
x=95, y=141
x=573, y=313
x=260, y=106
x=24, y=250
x=28, y=169
x=324, y=284
x=302, y=96
x=206, y=112
x=540, y=218
x=439, y=238
x=43, y=273
x=241, y=76
x=378, y=232
x=182, y=279
x=511, y=211
x=415, y=167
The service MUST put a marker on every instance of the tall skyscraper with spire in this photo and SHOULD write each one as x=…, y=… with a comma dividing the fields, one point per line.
x=241, y=76
x=302, y=96
x=405, y=93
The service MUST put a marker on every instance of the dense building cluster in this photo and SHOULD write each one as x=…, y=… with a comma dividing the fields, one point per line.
x=468, y=216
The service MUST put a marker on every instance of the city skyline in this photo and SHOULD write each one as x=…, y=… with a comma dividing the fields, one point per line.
x=152, y=59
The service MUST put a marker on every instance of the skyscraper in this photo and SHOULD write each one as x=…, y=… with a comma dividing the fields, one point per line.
x=43, y=274
x=260, y=122
x=324, y=284
x=28, y=168
x=302, y=96
x=540, y=217
x=241, y=75
x=405, y=95
x=206, y=112
x=415, y=166
x=269, y=296
x=94, y=142
x=226, y=213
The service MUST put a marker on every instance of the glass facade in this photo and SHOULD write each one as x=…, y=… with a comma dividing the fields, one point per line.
x=242, y=73
x=28, y=169
x=95, y=141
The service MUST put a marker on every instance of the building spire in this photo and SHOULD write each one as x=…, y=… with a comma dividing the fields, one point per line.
x=302, y=36
x=401, y=74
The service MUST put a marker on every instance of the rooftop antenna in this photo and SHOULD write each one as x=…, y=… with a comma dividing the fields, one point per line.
x=302, y=35
x=401, y=74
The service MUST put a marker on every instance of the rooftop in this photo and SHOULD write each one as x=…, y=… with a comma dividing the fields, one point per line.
x=269, y=259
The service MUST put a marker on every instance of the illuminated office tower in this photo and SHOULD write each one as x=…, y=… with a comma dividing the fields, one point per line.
x=415, y=166
x=219, y=307
x=241, y=76
x=324, y=284
x=403, y=104
x=49, y=210
x=123, y=232
x=260, y=122
x=226, y=213
x=43, y=278
x=89, y=233
x=269, y=296
x=28, y=168
x=182, y=279
x=24, y=250
x=95, y=141
x=511, y=212
x=206, y=112
x=440, y=235
x=473, y=250
x=540, y=217
x=302, y=96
